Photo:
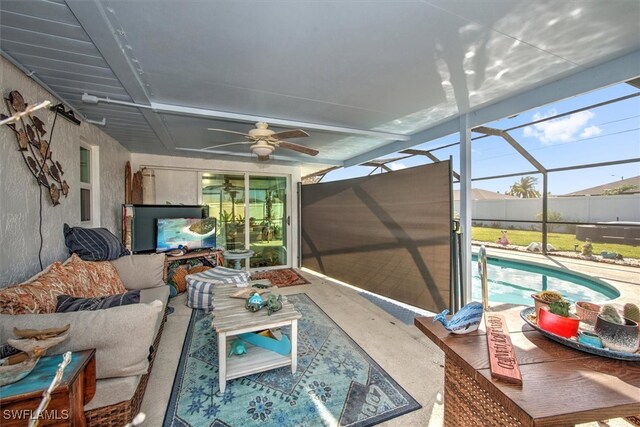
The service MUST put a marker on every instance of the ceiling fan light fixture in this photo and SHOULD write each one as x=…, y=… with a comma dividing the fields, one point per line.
x=262, y=150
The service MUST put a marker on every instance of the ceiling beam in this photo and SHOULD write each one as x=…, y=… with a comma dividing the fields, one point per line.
x=438, y=131
x=94, y=20
x=617, y=70
x=225, y=115
x=519, y=148
x=309, y=160
x=428, y=154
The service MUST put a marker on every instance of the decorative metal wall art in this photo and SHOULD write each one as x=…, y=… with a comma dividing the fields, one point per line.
x=35, y=150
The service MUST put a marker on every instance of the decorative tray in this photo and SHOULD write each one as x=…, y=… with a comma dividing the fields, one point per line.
x=634, y=357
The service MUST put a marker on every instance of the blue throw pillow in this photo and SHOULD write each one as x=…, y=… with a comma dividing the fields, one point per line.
x=93, y=244
x=67, y=303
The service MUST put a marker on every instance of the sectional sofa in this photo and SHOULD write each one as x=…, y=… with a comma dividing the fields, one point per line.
x=125, y=338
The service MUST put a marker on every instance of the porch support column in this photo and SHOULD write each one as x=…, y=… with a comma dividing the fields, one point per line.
x=465, y=207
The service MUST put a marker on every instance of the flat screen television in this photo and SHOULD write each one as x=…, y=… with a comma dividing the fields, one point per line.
x=195, y=233
x=144, y=218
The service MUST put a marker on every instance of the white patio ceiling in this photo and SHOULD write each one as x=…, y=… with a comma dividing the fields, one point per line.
x=364, y=78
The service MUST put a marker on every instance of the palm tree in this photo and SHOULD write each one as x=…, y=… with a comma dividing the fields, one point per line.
x=525, y=188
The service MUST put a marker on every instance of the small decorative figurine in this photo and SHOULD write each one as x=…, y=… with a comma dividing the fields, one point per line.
x=253, y=302
x=273, y=303
x=503, y=240
x=587, y=248
x=464, y=321
x=237, y=348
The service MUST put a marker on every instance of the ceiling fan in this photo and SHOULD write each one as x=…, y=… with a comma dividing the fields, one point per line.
x=264, y=141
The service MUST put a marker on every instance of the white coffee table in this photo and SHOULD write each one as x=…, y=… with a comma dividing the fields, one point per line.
x=230, y=319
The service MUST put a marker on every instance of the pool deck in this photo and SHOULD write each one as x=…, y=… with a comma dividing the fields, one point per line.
x=624, y=278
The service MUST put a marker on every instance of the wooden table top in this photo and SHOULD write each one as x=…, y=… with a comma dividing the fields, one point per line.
x=229, y=314
x=560, y=385
x=40, y=378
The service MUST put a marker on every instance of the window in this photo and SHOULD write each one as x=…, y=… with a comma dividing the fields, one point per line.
x=89, y=185
x=85, y=184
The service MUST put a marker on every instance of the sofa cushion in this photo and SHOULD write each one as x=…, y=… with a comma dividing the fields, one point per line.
x=67, y=303
x=93, y=244
x=37, y=296
x=141, y=271
x=113, y=390
x=121, y=336
x=152, y=294
x=155, y=294
x=97, y=279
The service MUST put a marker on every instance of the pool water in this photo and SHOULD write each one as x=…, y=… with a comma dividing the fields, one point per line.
x=513, y=283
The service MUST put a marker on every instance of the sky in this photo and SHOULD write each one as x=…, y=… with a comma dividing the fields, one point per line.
x=601, y=134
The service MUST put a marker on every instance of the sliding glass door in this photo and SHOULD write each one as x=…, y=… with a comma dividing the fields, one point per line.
x=268, y=220
x=251, y=213
x=224, y=194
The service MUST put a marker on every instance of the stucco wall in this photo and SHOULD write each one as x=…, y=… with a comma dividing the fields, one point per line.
x=177, y=181
x=19, y=199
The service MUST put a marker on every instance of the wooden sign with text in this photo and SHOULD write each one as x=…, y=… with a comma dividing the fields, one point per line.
x=502, y=356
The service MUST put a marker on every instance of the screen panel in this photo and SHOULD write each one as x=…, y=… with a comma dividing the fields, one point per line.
x=388, y=233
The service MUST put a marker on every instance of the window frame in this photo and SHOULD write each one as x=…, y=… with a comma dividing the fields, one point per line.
x=93, y=185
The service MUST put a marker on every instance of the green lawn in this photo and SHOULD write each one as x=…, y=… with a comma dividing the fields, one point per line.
x=560, y=241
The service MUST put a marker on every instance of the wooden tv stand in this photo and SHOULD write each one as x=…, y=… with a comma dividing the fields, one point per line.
x=204, y=253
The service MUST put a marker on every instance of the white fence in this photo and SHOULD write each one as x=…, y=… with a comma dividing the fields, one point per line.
x=578, y=209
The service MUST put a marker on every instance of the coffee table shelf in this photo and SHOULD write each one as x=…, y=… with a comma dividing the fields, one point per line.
x=256, y=360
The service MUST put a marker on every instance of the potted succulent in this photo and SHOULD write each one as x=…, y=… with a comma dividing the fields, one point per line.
x=544, y=298
x=587, y=311
x=617, y=333
x=557, y=319
x=632, y=312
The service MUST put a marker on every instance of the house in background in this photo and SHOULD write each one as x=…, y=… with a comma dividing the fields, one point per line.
x=623, y=186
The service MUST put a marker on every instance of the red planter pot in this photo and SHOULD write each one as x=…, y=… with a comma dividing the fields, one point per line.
x=566, y=327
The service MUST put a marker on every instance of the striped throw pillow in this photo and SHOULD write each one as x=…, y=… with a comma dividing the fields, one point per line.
x=93, y=244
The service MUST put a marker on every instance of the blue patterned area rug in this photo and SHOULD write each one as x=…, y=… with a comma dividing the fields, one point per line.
x=337, y=383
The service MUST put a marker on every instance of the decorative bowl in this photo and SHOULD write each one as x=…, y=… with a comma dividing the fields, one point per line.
x=587, y=311
x=10, y=374
x=617, y=337
x=566, y=327
x=528, y=316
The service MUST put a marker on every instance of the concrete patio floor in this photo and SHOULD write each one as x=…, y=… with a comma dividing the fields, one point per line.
x=413, y=360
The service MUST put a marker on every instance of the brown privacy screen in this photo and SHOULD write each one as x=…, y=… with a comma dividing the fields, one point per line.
x=387, y=233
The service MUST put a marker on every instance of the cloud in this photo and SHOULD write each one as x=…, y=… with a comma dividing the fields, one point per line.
x=396, y=166
x=590, y=131
x=565, y=129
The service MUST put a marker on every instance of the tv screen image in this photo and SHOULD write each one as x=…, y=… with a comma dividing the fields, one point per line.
x=195, y=233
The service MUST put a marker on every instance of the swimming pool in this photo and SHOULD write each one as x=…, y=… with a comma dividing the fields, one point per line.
x=513, y=283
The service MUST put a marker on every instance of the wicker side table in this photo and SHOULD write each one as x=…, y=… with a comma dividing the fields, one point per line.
x=561, y=386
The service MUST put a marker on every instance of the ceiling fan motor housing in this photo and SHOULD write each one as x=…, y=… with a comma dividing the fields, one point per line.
x=261, y=131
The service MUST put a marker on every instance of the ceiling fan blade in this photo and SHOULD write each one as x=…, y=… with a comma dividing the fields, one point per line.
x=296, y=133
x=230, y=143
x=297, y=147
x=229, y=131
